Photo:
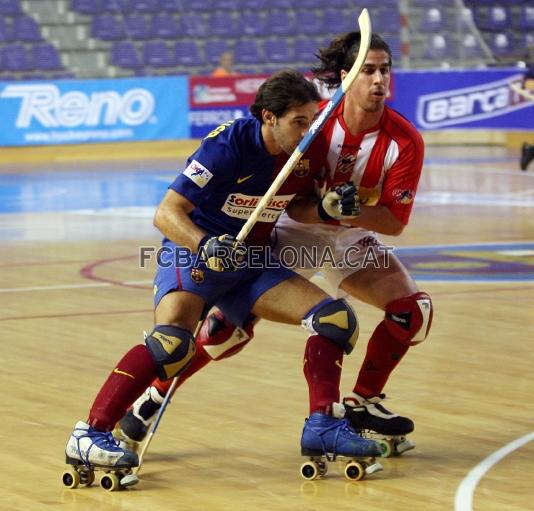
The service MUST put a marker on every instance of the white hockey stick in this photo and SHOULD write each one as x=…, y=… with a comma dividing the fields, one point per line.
x=527, y=94
x=364, y=22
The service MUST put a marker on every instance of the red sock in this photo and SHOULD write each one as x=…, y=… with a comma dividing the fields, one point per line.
x=384, y=352
x=124, y=385
x=199, y=360
x=322, y=368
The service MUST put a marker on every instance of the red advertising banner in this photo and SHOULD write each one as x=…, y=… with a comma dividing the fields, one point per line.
x=209, y=91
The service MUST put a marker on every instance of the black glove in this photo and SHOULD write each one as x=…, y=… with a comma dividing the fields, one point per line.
x=342, y=203
x=222, y=253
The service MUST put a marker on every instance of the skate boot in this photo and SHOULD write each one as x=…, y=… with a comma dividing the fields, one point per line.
x=89, y=450
x=527, y=155
x=133, y=427
x=326, y=438
x=373, y=420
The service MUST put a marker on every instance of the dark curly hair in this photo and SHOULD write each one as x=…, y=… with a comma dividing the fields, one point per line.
x=282, y=91
x=341, y=54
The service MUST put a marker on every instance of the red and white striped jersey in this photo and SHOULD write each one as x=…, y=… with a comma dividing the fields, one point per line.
x=385, y=162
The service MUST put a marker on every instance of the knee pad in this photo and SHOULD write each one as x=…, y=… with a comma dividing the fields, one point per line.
x=409, y=319
x=172, y=348
x=221, y=339
x=335, y=320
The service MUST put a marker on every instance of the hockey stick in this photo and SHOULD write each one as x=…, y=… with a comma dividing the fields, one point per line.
x=527, y=94
x=364, y=22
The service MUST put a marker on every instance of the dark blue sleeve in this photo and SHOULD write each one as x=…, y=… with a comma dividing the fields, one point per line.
x=213, y=166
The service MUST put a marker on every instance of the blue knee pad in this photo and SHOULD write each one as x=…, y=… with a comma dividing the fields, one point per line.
x=172, y=349
x=334, y=320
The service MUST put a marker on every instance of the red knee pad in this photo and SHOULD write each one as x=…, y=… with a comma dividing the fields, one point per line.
x=409, y=319
x=220, y=339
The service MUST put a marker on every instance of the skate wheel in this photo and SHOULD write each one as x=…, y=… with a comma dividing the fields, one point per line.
x=323, y=468
x=110, y=482
x=387, y=447
x=87, y=477
x=354, y=471
x=71, y=478
x=309, y=470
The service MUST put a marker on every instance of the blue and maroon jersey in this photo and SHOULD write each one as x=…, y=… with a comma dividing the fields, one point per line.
x=229, y=174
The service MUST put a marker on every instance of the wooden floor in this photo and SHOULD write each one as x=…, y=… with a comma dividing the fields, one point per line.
x=70, y=305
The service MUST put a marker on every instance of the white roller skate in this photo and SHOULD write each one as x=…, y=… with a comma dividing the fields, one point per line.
x=89, y=450
x=372, y=420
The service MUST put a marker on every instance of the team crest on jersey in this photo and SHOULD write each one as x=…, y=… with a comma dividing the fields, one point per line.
x=345, y=163
x=197, y=275
x=302, y=169
x=199, y=174
x=404, y=196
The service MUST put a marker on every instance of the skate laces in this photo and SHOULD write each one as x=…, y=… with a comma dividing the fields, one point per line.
x=341, y=426
x=103, y=440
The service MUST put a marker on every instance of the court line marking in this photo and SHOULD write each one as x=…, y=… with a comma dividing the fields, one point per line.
x=463, y=500
x=72, y=286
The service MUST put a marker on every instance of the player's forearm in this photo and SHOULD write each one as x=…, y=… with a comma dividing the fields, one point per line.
x=378, y=219
x=172, y=219
x=304, y=210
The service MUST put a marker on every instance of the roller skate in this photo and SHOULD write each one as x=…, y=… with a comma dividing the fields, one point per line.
x=133, y=427
x=88, y=451
x=527, y=155
x=372, y=420
x=326, y=439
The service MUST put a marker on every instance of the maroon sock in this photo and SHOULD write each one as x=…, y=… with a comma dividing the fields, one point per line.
x=384, y=352
x=322, y=368
x=199, y=360
x=124, y=385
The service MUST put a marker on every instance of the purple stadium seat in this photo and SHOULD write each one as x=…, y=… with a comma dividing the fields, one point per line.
x=305, y=50
x=213, y=50
x=254, y=5
x=156, y=54
x=193, y=25
x=199, y=5
x=339, y=4
x=16, y=58
x=26, y=29
x=247, y=51
x=120, y=6
x=227, y=5
x=526, y=18
x=387, y=20
x=281, y=22
x=437, y=47
x=10, y=8
x=502, y=44
x=171, y=5
x=46, y=57
x=498, y=18
x=187, y=53
x=333, y=23
x=470, y=47
x=164, y=26
x=432, y=20
x=281, y=4
x=136, y=27
x=6, y=34
x=107, y=28
x=311, y=4
x=89, y=7
x=145, y=5
x=124, y=54
x=252, y=24
x=222, y=24
x=278, y=51
x=309, y=22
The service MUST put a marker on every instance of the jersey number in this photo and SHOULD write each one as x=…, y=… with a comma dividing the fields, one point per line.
x=218, y=129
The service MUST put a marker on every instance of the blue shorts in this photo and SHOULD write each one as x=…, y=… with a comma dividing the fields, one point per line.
x=235, y=293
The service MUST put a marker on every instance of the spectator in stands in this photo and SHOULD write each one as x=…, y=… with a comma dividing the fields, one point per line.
x=226, y=65
x=527, y=151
